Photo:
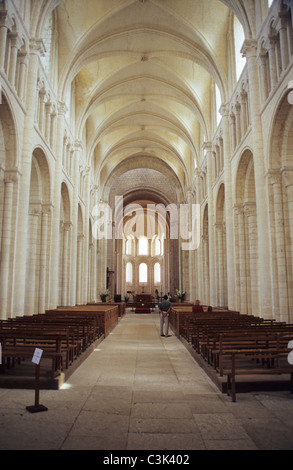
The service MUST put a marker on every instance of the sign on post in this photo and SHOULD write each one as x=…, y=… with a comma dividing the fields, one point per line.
x=36, y=360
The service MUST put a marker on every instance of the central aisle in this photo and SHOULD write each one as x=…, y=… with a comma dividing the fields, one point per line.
x=141, y=391
x=147, y=392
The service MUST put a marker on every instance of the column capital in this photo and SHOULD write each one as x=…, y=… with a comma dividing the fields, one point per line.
x=47, y=208
x=208, y=146
x=249, y=209
x=4, y=19
x=35, y=208
x=287, y=175
x=67, y=226
x=12, y=175
x=274, y=176
x=238, y=209
x=62, y=108
x=249, y=48
x=36, y=46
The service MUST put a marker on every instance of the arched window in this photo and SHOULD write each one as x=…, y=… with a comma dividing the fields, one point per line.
x=157, y=273
x=218, y=104
x=129, y=273
x=128, y=246
x=143, y=272
x=143, y=246
x=239, y=37
x=157, y=246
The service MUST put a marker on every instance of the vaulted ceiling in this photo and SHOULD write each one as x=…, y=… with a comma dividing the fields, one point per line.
x=143, y=74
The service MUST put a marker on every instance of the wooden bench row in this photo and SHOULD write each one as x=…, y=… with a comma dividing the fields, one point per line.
x=63, y=334
x=235, y=344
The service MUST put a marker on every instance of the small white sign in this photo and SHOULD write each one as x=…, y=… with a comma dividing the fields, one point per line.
x=37, y=356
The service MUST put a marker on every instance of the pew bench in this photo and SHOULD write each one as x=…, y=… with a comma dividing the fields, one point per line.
x=10, y=354
x=256, y=362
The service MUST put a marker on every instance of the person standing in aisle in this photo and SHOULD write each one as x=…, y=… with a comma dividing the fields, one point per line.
x=164, y=309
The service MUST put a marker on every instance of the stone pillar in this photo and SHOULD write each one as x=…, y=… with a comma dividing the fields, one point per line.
x=252, y=248
x=65, y=262
x=24, y=182
x=238, y=123
x=14, y=44
x=263, y=67
x=287, y=178
x=31, y=291
x=219, y=264
x=211, y=241
x=264, y=261
x=279, y=231
x=243, y=269
x=43, y=258
x=85, y=278
x=283, y=22
x=23, y=58
x=272, y=61
x=42, y=114
x=56, y=201
x=79, y=264
x=74, y=242
x=3, y=37
x=231, y=300
x=5, y=271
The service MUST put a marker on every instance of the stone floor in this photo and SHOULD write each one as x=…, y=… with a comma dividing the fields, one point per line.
x=140, y=391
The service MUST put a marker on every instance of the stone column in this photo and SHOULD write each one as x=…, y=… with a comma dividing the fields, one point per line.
x=85, y=278
x=74, y=243
x=56, y=201
x=275, y=180
x=263, y=67
x=80, y=243
x=24, y=183
x=65, y=262
x=287, y=179
x=31, y=291
x=14, y=44
x=211, y=241
x=43, y=258
x=272, y=61
x=243, y=270
x=220, y=264
x=6, y=240
x=3, y=37
x=238, y=123
x=23, y=58
x=283, y=22
x=264, y=261
x=190, y=278
x=228, y=210
x=42, y=115
x=253, y=286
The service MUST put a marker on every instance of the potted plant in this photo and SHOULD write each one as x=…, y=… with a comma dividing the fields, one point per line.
x=104, y=294
x=181, y=295
x=126, y=298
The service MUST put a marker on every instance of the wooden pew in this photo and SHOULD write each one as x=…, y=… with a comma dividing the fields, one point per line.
x=21, y=342
x=257, y=362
